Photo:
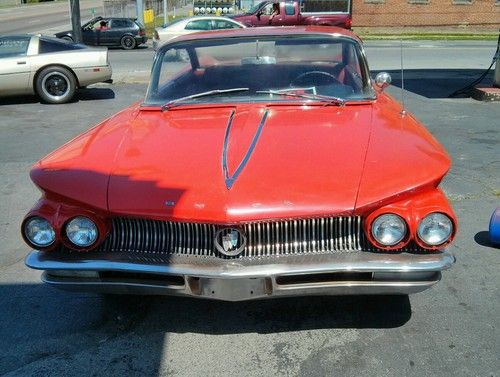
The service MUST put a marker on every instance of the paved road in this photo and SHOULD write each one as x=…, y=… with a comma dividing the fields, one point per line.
x=46, y=18
x=468, y=58
x=450, y=330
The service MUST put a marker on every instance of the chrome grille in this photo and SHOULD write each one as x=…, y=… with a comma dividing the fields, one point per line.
x=301, y=236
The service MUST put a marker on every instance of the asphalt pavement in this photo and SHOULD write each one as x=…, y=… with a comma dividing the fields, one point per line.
x=46, y=18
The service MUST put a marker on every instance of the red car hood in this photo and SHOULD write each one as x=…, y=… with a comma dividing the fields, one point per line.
x=242, y=163
x=282, y=161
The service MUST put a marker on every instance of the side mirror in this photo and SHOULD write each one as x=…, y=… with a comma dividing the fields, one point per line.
x=383, y=80
x=259, y=13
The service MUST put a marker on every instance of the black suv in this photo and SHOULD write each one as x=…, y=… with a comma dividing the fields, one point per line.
x=100, y=31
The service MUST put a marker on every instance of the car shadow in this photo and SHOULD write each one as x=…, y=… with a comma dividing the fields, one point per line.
x=138, y=48
x=41, y=325
x=483, y=238
x=19, y=100
x=437, y=83
x=278, y=315
x=90, y=94
x=84, y=94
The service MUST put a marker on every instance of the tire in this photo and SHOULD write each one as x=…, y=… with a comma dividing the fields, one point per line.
x=67, y=38
x=127, y=42
x=55, y=85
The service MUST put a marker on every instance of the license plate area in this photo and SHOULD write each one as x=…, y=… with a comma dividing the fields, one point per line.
x=231, y=289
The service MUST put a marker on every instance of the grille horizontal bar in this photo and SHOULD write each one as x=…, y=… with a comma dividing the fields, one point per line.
x=301, y=236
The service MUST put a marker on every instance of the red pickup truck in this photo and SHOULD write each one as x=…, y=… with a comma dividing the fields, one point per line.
x=304, y=12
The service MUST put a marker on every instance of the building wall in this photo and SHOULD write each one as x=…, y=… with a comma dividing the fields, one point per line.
x=484, y=13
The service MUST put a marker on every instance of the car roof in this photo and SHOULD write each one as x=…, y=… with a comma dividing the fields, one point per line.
x=270, y=31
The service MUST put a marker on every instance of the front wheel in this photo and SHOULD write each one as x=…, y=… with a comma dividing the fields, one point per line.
x=55, y=85
x=127, y=42
x=67, y=38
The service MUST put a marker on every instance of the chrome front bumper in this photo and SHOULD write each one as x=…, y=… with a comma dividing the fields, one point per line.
x=236, y=280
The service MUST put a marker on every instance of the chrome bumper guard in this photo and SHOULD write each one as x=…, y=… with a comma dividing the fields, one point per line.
x=237, y=280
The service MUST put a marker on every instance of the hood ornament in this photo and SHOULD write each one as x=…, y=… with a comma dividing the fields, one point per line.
x=230, y=179
x=230, y=241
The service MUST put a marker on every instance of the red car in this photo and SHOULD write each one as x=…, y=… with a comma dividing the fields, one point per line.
x=265, y=162
x=287, y=13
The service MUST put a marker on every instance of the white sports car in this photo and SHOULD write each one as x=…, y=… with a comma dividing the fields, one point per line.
x=50, y=67
x=184, y=26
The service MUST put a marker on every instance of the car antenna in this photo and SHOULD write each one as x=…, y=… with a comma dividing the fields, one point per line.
x=403, y=111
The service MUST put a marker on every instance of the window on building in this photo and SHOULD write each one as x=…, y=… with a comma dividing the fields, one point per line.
x=374, y=1
x=461, y=2
x=324, y=6
x=418, y=1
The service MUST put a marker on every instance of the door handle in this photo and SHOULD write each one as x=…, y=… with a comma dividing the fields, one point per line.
x=21, y=62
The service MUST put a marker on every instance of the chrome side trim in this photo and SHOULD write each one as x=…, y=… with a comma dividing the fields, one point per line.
x=237, y=280
x=247, y=289
x=234, y=269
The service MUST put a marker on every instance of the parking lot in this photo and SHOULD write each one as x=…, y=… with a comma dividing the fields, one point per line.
x=451, y=330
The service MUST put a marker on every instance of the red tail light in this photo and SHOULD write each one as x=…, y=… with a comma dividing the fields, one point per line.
x=142, y=33
x=348, y=23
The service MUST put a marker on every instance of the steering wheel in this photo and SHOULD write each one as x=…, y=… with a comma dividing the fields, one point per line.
x=314, y=77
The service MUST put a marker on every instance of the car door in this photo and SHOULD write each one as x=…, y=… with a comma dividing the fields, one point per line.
x=103, y=33
x=89, y=36
x=264, y=14
x=15, y=67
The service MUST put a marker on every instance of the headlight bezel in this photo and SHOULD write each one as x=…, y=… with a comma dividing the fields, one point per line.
x=400, y=242
x=32, y=242
x=433, y=245
x=71, y=243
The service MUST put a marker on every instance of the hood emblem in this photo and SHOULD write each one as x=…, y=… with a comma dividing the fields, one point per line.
x=230, y=241
x=230, y=179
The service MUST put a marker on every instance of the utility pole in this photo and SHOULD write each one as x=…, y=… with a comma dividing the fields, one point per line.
x=140, y=11
x=165, y=15
x=75, y=20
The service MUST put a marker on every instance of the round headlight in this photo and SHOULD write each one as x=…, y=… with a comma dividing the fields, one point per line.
x=39, y=232
x=389, y=229
x=81, y=231
x=435, y=229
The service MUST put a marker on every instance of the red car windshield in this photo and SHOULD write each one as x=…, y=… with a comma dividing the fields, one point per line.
x=260, y=68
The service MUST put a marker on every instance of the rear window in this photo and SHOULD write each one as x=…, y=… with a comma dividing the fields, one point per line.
x=14, y=46
x=47, y=46
x=289, y=9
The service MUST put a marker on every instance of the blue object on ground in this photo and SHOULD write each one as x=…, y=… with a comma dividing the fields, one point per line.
x=495, y=226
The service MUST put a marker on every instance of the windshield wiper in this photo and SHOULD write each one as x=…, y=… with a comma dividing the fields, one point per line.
x=292, y=93
x=173, y=102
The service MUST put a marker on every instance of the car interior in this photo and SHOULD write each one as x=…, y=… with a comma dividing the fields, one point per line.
x=340, y=76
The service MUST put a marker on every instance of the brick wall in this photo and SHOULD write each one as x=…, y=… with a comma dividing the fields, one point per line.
x=485, y=13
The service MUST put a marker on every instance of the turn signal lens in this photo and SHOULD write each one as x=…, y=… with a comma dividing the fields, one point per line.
x=82, y=231
x=39, y=232
x=435, y=229
x=389, y=229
